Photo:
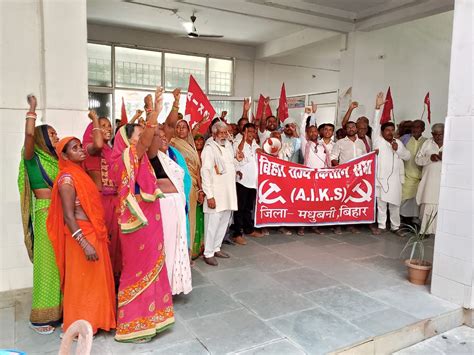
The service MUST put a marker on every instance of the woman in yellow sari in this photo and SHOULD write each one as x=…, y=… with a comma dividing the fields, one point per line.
x=183, y=141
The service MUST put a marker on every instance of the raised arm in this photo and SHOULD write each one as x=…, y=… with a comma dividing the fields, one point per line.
x=379, y=102
x=151, y=122
x=170, y=122
x=136, y=116
x=303, y=136
x=246, y=108
x=29, y=143
x=155, y=143
x=199, y=124
x=97, y=137
x=263, y=121
x=347, y=116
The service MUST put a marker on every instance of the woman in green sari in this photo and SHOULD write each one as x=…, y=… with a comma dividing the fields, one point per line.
x=38, y=170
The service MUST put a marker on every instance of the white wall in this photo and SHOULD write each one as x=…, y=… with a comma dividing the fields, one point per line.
x=416, y=60
x=453, y=267
x=34, y=60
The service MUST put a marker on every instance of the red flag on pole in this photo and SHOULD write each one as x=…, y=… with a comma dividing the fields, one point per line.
x=261, y=99
x=387, y=108
x=428, y=104
x=198, y=105
x=123, y=117
x=283, y=105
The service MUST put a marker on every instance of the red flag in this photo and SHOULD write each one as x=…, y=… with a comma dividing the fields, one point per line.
x=261, y=99
x=198, y=105
x=428, y=104
x=123, y=117
x=387, y=108
x=283, y=105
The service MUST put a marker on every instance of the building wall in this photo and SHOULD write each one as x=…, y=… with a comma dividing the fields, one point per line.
x=36, y=63
x=453, y=266
x=413, y=58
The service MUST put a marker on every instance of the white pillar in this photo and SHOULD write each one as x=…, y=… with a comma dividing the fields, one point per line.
x=454, y=244
x=43, y=50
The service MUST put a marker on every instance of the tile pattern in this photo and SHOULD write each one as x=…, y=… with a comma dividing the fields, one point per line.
x=276, y=295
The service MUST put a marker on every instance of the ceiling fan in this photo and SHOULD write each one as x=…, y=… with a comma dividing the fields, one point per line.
x=192, y=31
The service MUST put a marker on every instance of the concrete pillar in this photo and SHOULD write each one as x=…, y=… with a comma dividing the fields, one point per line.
x=43, y=46
x=454, y=244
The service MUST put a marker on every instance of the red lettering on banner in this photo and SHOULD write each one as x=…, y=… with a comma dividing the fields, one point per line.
x=292, y=194
x=198, y=105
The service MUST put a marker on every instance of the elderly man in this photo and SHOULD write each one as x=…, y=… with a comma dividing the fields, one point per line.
x=430, y=157
x=218, y=183
x=409, y=208
x=390, y=171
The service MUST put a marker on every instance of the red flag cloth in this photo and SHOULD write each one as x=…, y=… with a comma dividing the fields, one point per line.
x=387, y=108
x=198, y=105
x=261, y=100
x=283, y=105
x=123, y=117
x=428, y=104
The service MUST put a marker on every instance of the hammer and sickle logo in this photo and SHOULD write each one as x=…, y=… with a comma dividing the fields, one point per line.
x=363, y=195
x=272, y=188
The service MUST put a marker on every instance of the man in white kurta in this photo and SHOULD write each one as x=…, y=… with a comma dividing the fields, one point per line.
x=218, y=183
x=427, y=196
x=390, y=171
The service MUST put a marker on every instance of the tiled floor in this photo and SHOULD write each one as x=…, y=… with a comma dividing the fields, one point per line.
x=276, y=295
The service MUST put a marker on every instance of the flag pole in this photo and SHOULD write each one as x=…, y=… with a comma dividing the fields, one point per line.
x=424, y=109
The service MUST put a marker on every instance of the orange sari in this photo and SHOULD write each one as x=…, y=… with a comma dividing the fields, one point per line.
x=87, y=287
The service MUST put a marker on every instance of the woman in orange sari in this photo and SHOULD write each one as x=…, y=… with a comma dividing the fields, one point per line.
x=78, y=234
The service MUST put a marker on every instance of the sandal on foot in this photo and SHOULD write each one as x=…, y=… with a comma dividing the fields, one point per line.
x=43, y=329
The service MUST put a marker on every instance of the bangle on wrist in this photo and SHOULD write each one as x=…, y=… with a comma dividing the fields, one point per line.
x=76, y=232
x=96, y=129
x=149, y=125
x=30, y=117
x=148, y=110
x=31, y=113
x=174, y=108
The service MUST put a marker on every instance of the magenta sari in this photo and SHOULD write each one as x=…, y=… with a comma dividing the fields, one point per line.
x=110, y=201
x=145, y=307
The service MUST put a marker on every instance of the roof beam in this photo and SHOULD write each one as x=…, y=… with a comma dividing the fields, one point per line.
x=260, y=10
x=284, y=45
x=405, y=14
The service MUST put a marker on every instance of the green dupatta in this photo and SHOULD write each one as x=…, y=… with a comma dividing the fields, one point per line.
x=27, y=198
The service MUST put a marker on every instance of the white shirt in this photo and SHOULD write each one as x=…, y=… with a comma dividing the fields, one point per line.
x=314, y=154
x=248, y=165
x=221, y=187
x=291, y=147
x=428, y=189
x=390, y=166
x=345, y=149
x=263, y=136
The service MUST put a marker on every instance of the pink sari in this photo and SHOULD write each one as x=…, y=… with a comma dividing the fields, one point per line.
x=145, y=307
x=109, y=195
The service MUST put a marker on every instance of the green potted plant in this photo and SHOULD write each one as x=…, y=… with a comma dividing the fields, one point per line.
x=418, y=268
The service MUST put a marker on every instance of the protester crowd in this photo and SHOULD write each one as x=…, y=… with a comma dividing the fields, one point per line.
x=113, y=222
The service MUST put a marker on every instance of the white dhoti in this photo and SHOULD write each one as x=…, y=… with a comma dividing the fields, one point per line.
x=176, y=243
x=427, y=212
x=382, y=214
x=215, y=227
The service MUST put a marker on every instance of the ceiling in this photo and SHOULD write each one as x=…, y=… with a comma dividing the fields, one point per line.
x=270, y=25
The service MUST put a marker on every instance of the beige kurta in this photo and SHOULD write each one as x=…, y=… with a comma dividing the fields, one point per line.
x=390, y=166
x=221, y=187
x=428, y=189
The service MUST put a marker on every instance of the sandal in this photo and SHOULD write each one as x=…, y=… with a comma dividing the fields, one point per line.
x=43, y=329
x=300, y=232
x=285, y=231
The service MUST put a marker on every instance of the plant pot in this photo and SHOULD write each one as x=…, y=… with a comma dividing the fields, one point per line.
x=418, y=271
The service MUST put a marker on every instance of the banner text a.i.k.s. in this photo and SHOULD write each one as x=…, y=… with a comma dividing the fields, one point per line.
x=292, y=194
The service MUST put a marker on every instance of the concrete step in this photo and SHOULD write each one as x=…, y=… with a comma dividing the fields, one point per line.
x=409, y=335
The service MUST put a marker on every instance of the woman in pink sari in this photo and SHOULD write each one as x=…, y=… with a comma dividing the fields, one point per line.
x=97, y=164
x=145, y=306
